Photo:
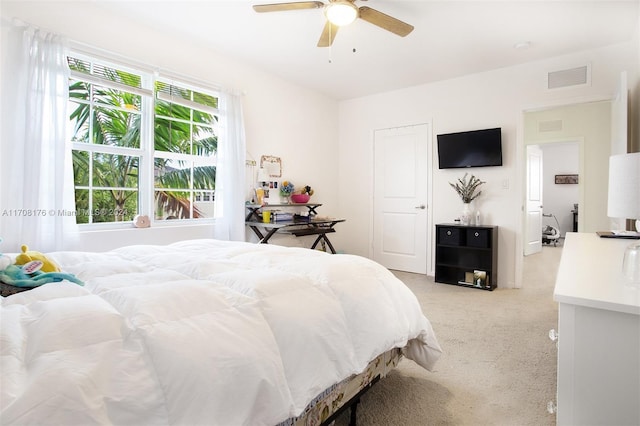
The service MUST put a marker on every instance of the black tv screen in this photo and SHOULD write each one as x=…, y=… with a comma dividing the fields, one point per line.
x=476, y=148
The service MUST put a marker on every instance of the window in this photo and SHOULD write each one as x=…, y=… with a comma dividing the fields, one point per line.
x=185, y=140
x=142, y=144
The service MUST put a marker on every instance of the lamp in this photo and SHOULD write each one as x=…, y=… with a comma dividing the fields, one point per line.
x=624, y=202
x=341, y=12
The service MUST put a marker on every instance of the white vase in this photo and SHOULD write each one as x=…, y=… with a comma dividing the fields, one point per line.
x=465, y=217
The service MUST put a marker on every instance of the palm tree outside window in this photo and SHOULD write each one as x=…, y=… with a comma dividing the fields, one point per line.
x=142, y=144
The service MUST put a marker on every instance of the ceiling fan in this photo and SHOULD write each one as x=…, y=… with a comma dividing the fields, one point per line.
x=340, y=13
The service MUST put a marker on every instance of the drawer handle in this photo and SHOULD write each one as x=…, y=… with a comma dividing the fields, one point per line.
x=477, y=234
x=449, y=233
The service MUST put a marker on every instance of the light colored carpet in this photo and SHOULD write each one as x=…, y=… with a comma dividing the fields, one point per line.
x=498, y=366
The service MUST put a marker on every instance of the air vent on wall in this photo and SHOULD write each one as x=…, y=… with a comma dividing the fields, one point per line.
x=578, y=76
x=550, y=126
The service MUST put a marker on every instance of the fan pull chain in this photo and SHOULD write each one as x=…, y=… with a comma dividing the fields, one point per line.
x=330, y=45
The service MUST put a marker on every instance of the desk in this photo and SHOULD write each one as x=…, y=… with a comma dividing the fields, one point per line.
x=598, y=334
x=310, y=225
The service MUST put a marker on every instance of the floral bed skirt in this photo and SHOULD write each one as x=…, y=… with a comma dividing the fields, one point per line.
x=332, y=399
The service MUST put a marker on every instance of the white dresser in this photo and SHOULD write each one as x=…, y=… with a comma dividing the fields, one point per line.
x=598, y=335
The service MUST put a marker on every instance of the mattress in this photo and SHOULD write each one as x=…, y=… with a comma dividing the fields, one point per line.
x=200, y=332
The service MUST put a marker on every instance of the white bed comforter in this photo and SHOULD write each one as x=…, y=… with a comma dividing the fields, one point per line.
x=199, y=332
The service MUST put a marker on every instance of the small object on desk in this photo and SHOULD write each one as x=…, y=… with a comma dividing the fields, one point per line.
x=631, y=235
x=280, y=216
x=301, y=218
x=300, y=198
x=266, y=216
x=260, y=195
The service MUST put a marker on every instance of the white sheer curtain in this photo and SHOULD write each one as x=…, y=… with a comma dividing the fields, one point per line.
x=230, y=171
x=36, y=195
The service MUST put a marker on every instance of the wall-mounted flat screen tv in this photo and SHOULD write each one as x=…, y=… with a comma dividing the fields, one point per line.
x=476, y=148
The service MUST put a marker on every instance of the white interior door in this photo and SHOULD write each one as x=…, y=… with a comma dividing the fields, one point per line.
x=400, y=219
x=533, y=216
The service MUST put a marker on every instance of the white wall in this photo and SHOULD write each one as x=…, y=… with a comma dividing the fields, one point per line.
x=491, y=99
x=559, y=199
x=281, y=119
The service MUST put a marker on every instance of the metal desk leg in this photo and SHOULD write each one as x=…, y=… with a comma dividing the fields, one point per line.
x=323, y=237
x=329, y=243
x=263, y=238
x=257, y=232
x=253, y=213
x=269, y=234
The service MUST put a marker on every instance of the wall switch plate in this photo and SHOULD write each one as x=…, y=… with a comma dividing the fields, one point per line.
x=505, y=183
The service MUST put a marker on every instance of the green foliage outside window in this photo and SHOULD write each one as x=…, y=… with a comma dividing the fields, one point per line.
x=107, y=184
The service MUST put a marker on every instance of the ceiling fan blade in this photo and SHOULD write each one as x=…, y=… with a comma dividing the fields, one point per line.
x=385, y=21
x=279, y=7
x=328, y=34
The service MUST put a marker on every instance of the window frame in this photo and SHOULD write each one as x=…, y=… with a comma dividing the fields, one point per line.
x=146, y=152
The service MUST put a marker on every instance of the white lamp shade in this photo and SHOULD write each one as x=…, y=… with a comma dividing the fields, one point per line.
x=624, y=186
x=341, y=12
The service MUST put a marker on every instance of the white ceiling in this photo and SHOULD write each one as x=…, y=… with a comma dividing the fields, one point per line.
x=451, y=38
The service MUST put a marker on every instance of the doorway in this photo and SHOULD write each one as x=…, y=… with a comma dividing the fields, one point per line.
x=588, y=124
x=558, y=191
x=401, y=219
x=561, y=191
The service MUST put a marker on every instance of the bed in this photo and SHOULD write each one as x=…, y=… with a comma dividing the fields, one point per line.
x=205, y=332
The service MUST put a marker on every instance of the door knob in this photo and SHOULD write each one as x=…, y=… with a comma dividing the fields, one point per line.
x=421, y=207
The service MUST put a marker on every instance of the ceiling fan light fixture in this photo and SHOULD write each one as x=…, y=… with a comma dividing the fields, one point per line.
x=341, y=12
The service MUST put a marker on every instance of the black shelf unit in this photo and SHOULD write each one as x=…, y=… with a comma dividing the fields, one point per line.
x=462, y=250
